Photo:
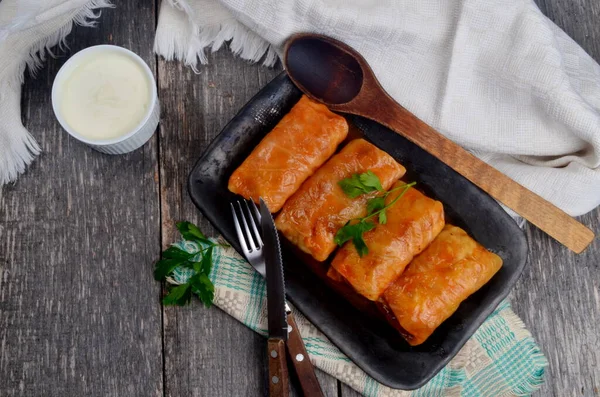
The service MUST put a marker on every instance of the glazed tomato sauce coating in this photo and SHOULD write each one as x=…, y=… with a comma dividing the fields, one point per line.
x=430, y=290
x=299, y=144
x=412, y=223
x=313, y=215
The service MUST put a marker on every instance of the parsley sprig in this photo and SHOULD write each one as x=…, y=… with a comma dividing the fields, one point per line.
x=359, y=184
x=199, y=262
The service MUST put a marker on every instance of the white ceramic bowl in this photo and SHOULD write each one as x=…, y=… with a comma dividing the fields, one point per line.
x=124, y=143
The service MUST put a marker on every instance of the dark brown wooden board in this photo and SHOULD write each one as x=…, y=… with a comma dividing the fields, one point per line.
x=79, y=311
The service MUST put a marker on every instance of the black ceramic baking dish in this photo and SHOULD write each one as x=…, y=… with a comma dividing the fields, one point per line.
x=373, y=345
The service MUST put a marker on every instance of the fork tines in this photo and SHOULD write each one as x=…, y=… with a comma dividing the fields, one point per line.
x=246, y=229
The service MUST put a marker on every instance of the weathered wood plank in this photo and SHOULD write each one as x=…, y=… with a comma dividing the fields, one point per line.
x=558, y=299
x=558, y=296
x=80, y=313
x=206, y=351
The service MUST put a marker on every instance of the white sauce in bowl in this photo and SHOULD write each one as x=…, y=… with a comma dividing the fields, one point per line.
x=106, y=95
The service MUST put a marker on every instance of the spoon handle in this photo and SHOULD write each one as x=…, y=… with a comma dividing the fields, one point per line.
x=529, y=205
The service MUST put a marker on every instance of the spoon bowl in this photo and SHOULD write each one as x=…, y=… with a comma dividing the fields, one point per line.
x=334, y=74
x=324, y=70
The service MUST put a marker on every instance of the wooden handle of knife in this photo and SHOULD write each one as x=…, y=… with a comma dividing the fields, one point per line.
x=299, y=357
x=278, y=372
x=524, y=202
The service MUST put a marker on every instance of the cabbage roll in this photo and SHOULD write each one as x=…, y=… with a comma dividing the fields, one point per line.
x=299, y=144
x=434, y=284
x=313, y=215
x=412, y=223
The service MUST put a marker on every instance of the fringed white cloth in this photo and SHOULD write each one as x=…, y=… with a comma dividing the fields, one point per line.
x=28, y=30
x=495, y=76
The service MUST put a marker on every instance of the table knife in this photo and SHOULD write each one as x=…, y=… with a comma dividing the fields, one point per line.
x=277, y=316
x=295, y=345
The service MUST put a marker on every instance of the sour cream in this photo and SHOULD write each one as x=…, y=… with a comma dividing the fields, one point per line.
x=106, y=97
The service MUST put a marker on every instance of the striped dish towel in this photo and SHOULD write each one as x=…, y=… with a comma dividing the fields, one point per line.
x=501, y=359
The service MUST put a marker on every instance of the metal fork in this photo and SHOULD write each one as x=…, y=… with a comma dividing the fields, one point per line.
x=250, y=241
x=252, y=247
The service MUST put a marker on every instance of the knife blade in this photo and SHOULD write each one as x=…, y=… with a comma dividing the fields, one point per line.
x=278, y=326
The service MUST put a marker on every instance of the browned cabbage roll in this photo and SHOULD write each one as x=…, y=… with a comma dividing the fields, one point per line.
x=412, y=223
x=299, y=144
x=430, y=290
x=313, y=215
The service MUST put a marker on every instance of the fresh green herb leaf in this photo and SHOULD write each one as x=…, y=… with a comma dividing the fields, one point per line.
x=199, y=283
x=203, y=288
x=382, y=218
x=375, y=204
x=164, y=267
x=352, y=186
x=361, y=246
x=359, y=184
x=179, y=295
x=189, y=231
x=344, y=234
x=354, y=232
x=207, y=260
x=371, y=181
x=174, y=252
x=196, y=266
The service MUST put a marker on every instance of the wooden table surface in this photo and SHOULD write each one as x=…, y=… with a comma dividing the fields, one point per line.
x=80, y=313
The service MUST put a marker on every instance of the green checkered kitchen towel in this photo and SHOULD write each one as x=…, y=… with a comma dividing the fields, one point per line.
x=501, y=359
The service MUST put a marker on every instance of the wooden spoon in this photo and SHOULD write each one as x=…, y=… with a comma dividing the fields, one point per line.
x=333, y=73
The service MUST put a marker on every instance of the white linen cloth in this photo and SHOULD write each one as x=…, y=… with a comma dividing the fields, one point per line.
x=28, y=29
x=495, y=76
